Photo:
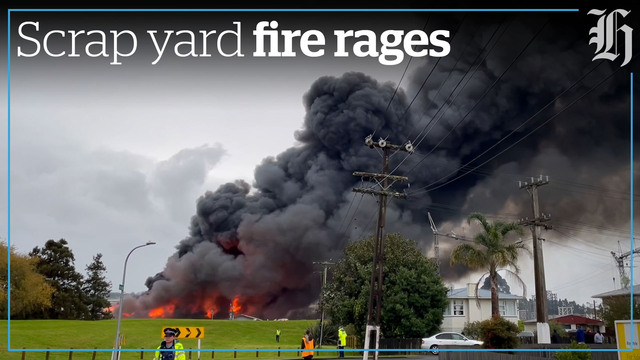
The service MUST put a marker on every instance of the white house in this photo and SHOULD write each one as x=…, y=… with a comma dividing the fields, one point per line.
x=465, y=308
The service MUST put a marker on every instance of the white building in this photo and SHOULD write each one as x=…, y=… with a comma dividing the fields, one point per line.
x=465, y=308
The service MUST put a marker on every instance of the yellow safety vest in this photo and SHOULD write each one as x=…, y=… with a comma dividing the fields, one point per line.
x=178, y=354
x=343, y=338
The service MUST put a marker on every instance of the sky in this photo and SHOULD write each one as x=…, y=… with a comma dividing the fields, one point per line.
x=240, y=168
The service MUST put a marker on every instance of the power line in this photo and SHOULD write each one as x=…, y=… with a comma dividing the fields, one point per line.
x=525, y=136
x=450, y=100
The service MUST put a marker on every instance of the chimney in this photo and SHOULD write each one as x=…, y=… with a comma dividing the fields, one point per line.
x=471, y=289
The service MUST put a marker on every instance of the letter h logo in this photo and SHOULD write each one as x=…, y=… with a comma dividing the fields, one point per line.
x=606, y=35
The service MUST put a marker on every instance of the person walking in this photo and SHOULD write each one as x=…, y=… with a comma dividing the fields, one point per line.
x=170, y=348
x=342, y=341
x=278, y=335
x=307, y=346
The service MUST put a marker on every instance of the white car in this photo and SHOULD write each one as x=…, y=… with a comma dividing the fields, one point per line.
x=432, y=343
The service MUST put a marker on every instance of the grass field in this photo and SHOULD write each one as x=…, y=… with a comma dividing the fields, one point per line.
x=246, y=336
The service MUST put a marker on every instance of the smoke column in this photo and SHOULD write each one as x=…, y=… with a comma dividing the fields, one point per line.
x=257, y=243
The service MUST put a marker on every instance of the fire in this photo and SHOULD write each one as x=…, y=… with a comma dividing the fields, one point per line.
x=115, y=308
x=162, y=312
x=235, y=305
x=207, y=305
x=210, y=308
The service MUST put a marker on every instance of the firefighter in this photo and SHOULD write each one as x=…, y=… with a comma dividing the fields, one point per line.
x=170, y=348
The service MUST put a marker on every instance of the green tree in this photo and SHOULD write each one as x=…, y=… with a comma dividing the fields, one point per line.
x=618, y=308
x=491, y=251
x=55, y=261
x=414, y=296
x=97, y=289
x=29, y=290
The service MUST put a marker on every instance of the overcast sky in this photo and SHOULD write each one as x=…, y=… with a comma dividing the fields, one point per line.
x=109, y=157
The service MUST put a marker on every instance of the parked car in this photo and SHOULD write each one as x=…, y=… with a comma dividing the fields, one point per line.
x=432, y=343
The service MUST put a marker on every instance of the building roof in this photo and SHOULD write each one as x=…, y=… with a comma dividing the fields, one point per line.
x=569, y=320
x=577, y=320
x=619, y=292
x=482, y=294
x=248, y=317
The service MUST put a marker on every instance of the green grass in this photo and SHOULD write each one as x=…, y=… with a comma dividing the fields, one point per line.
x=147, y=334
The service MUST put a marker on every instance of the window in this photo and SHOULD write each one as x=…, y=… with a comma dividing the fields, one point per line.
x=447, y=310
x=507, y=308
x=458, y=307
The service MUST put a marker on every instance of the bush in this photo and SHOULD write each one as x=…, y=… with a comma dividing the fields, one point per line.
x=498, y=333
x=574, y=355
x=472, y=330
x=329, y=333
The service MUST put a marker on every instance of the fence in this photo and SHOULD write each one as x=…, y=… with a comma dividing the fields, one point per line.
x=191, y=354
x=545, y=352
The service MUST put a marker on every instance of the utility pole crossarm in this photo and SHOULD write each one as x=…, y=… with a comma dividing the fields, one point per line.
x=381, y=193
x=380, y=176
x=539, y=221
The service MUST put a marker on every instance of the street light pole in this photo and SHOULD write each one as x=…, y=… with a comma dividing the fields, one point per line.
x=115, y=354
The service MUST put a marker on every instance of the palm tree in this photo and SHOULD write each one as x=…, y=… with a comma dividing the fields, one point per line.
x=491, y=251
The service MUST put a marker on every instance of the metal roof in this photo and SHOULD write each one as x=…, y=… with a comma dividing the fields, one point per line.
x=619, y=292
x=482, y=294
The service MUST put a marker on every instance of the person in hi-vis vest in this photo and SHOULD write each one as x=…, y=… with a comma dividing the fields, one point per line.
x=342, y=341
x=170, y=348
x=307, y=346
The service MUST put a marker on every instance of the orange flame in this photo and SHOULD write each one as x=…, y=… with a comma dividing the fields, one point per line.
x=162, y=312
x=210, y=308
x=235, y=307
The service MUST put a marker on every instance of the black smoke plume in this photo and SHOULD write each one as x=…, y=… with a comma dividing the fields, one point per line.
x=518, y=95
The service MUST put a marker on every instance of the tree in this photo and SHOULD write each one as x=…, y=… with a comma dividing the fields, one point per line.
x=97, y=289
x=490, y=251
x=56, y=263
x=29, y=290
x=618, y=308
x=414, y=296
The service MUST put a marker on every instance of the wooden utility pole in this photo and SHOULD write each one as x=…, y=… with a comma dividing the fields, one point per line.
x=375, y=293
x=326, y=264
x=538, y=260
